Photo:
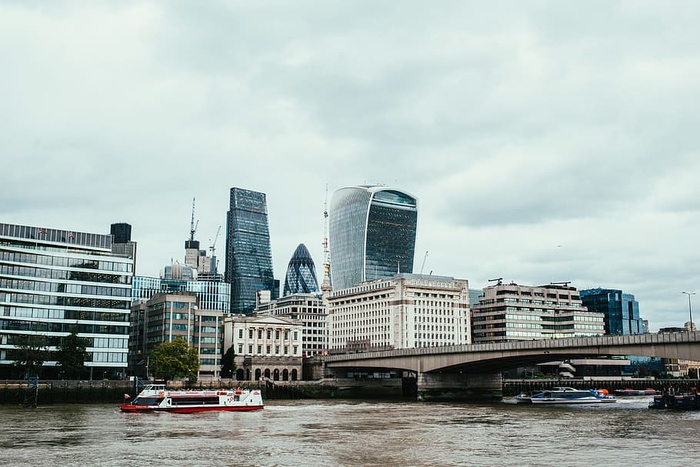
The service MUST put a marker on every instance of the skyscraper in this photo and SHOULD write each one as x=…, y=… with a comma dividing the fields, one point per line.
x=248, y=252
x=301, y=273
x=621, y=310
x=55, y=281
x=372, y=234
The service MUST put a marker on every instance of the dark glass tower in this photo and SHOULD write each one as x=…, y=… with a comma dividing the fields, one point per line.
x=301, y=273
x=621, y=310
x=248, y=252
x=372, y=234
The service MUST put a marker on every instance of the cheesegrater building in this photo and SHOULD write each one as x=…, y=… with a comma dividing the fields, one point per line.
x=248, y=251
x=54, y=282
x=372, y=234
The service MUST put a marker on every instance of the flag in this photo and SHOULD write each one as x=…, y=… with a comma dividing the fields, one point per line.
x=70, y=235
x=127, y=397
x=41, y=231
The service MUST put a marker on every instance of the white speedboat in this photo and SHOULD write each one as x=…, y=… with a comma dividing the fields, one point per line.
x=567, y=395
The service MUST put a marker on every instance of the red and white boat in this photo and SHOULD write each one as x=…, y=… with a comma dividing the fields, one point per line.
x=156, y=398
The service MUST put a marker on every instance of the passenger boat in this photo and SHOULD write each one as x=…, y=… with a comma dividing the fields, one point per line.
x=567, y=395
x=156, y=398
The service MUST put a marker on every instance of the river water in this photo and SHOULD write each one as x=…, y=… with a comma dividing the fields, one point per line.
x=352, y=433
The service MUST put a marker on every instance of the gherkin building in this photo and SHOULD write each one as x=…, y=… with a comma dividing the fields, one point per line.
x=301, y=273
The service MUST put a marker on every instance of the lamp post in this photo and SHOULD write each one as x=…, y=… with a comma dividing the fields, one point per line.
x=690, y=310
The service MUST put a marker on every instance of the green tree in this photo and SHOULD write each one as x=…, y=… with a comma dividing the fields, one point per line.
x=175, y=359
x=72, y=354
x=228, y=364
x=30, y=354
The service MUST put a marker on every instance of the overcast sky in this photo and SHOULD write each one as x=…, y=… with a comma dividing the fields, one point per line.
x=545, y=140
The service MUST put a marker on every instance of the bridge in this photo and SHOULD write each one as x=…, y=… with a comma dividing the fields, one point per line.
x=477, y=367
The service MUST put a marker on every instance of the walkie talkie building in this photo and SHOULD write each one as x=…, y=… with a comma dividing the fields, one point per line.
x=372, y=234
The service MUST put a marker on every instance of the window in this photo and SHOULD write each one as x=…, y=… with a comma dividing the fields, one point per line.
x=240, y=333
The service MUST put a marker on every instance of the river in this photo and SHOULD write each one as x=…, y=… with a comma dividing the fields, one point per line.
x=353, y=433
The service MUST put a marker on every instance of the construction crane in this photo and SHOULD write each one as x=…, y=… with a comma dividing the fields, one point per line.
x=498, y=280
x=424, y=258
x=193, y=226
x=212, y=246
x=326, y=249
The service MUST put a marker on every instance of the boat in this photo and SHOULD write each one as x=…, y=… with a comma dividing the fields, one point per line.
x=568, y=395
x=157, y=398
x=636, y=392
x=678, y=401
x=522, y=398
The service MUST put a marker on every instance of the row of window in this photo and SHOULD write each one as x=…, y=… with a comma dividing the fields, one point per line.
x=62, y=274
x=31, y=299
x=42, y=327
x=64, y=262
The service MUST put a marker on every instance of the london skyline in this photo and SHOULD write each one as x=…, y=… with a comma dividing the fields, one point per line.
x=543, y=144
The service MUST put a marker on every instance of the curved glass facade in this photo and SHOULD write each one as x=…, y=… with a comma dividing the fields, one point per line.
x=372, y=234
x=301, y=273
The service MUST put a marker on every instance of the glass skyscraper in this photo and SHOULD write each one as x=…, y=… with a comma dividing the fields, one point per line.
x=53, y=282
x=301, y=273
x=621, y=310
x=372, y=234
x=248, y=252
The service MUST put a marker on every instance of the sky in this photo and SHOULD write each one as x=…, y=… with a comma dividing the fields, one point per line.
x=546, y=141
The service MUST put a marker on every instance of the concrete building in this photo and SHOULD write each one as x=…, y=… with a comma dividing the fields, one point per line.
x=308, y=309
x=372, y=234
x=519, y=312
x=405, y=311
x=621, y=310
x=53, y=281
x=266, y=347
x=167, y=316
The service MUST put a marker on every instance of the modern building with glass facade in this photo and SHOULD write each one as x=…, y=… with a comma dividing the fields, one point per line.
x=507, y=312
x=52, y=281
x=301, y=273
x=372, y=234
x=248, y=251
x=620, y=309
x=211, y=295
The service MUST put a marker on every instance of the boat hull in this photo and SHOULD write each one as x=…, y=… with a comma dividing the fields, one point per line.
x=193, y=409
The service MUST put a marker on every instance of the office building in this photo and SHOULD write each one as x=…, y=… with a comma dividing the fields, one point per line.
x=508, y=312
x=405, y=311
x=372, y=234
x=301, y=273
x=122, y=245
x=308, y=309
x=620, y=309
x=248, y=252
x=266, y=347
x=167, y=316
x=53, y=281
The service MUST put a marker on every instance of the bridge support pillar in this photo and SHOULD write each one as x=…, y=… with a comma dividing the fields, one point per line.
x=459, y=387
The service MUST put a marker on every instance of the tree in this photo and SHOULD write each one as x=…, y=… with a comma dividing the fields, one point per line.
x=175, y=359
x=228, y=364
x=30, y=354
x=72, y=354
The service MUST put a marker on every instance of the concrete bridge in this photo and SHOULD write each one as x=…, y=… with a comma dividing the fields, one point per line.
x=475, y=369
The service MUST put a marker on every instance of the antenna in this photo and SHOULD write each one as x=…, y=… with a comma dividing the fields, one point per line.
x=564, y=283
x=193, y=226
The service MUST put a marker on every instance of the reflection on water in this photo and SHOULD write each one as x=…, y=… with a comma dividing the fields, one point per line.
x=348, y=433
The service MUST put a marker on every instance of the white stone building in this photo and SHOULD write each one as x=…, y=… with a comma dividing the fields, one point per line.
x=406, y=311
x=265, y=347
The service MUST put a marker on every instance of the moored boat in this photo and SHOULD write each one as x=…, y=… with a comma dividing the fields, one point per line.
x=670, y=400
x=636, y=392
x=568, y=395
x=156, y=398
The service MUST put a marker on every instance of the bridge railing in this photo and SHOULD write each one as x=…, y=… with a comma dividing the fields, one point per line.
x=544, y=344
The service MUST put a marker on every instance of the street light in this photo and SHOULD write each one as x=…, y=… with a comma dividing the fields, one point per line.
x=690, y=310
